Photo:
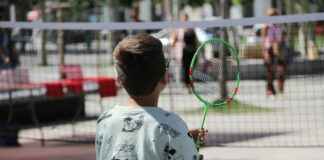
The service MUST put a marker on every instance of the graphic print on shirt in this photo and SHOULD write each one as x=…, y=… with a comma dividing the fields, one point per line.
x=179, y=158
x=99, y=140
x=109, y=140
x=166, y=129
x=167, y=114
x=131, y=124
x=125, y=151
x=170, y=151
x=195, y=157
x=189, y=135
x=124, y=158
x=105, y=116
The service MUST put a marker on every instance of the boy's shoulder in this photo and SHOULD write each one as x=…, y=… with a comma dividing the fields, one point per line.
x=156, y=113
x=104, y=115
x=171, y=118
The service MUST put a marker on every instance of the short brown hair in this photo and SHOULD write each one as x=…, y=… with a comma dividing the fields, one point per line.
x=140, y=64
x=272, y=12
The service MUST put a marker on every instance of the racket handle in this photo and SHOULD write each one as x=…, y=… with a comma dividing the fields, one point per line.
x=198, y=143
x=201, y=127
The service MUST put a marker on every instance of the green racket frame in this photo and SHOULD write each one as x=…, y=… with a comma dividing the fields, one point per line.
x=207, y=104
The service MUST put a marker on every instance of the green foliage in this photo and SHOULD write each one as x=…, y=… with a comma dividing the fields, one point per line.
x=78, y=6
x=157, y=1
x=26, y=2
x=195, y=3
x=126, y=3
x=237, y=2
x=209, y=1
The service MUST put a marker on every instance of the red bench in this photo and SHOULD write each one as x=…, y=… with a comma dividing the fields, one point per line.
x=16, y=79
x=12, y=80
x=106, y=85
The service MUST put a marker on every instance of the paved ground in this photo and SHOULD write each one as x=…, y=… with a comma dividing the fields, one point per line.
x=214, y=153
x=60, y=151
x=52, y=151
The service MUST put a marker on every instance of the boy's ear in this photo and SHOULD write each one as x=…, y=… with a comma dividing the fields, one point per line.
x=119, y=81
x=165, y=78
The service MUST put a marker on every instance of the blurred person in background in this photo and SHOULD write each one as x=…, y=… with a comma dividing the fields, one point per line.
x=272, y=36
x=8, y=58
x=190, y=45
x=184, y=42
x=134, y=16
x=4, y=59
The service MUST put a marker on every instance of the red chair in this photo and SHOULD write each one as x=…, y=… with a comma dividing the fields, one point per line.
x=19, y=78
x=72, y=72
x=106, y=85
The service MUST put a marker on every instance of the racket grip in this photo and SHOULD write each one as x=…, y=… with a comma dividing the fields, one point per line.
x=198, y=143
x=201, y=127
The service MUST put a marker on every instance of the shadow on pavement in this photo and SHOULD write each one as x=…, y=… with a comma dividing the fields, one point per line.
x=222, y=139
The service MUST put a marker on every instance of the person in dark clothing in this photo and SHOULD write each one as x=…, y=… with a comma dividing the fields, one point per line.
x=189, y=49
x=134, y=16
x=8, y=57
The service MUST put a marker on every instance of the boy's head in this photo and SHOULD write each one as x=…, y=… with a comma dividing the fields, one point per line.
x=140, y=64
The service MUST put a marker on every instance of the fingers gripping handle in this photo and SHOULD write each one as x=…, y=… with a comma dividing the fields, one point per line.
x=202, y=126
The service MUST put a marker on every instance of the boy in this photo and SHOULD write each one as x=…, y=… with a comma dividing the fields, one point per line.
x=139, y=129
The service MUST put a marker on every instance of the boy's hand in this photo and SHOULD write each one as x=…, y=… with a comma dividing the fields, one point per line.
x=199, y=132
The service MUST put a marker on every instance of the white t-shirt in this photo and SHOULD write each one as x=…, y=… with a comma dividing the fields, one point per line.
x=143, y=133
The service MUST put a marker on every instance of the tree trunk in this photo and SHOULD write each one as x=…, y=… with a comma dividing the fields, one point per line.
x=97, y=10
x=60, y=37
x=43, y=52
x=290, y=38
x=224, y=36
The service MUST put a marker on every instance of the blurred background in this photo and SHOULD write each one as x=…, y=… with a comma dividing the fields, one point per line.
x=147, y=11
x=54, y=83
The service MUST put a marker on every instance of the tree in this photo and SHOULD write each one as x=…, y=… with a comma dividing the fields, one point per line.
x=78, y=7
x=224, y=36
x=43, y=35
x=289, y=10
x=60, y=36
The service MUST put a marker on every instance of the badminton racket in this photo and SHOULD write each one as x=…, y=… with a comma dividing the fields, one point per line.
x=214, y=75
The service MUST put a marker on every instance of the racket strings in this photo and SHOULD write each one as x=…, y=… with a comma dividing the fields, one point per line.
x=215, y=71
x=202, y=76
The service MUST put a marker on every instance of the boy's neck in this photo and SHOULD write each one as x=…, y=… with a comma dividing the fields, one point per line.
x=143, y=101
